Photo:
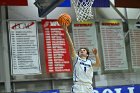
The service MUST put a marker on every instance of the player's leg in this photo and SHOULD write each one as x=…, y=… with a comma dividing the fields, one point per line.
x=77, y=89
x=88, y=89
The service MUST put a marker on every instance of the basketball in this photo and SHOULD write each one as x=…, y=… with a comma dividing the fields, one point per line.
x=64, y=19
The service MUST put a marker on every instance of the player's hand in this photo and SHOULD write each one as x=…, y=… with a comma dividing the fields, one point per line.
x=94, y=51
x=64, y=27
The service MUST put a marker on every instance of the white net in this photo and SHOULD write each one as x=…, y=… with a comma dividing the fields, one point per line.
x=83, y=9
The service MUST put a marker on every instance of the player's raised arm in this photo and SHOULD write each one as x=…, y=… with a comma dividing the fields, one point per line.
x=64, y=20
x=71, y=46
x=97, y=64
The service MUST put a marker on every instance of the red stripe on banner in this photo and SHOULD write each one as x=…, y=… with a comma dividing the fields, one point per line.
x=56, y=47
x=127, y=3
x=14, y=2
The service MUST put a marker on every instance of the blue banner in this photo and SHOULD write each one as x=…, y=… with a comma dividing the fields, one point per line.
x=101, y=3
x=97, y=3
x=66, y=3
x=45, y=91
x=119, y=89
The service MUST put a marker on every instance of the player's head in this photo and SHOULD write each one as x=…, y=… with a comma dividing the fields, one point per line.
x=83, y=52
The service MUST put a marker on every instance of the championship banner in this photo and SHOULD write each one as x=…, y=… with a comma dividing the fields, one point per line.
x=134, y=35
x=56, y=47
x=24, y=48
x=84, y=35
x=113, y=43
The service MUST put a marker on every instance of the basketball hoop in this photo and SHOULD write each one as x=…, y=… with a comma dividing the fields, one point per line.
x=83, y=9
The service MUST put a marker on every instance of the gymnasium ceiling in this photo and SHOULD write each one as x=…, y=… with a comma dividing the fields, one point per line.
x=30, y=12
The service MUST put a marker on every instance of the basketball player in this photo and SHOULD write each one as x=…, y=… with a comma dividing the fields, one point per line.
x=82, y=67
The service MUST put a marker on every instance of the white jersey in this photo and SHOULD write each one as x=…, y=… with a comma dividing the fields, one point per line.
x=83, y=70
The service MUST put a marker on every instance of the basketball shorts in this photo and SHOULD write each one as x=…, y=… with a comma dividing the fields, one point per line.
x=81, y=88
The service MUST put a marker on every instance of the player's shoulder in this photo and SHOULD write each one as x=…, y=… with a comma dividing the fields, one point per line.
x=75, y=57
x=92, y=61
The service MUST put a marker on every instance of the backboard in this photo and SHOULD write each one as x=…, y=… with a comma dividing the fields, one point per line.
x=46, y=6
